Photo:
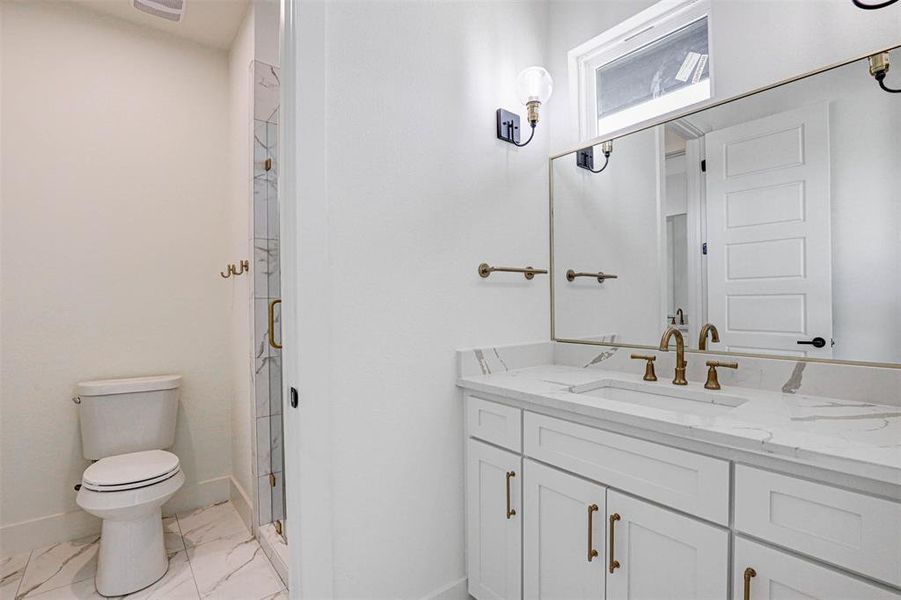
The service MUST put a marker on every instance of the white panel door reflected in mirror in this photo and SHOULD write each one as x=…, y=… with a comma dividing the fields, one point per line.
x=789, y=242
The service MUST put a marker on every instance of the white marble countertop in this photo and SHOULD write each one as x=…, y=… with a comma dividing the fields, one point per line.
x=847, y=436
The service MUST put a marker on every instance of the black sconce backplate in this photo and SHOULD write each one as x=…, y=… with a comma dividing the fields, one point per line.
x=585, y=158
x=507, y=126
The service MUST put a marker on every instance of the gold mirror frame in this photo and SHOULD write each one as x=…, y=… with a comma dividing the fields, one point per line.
x=656, y=123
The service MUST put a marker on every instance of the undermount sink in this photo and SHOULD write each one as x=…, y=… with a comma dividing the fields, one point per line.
x=664, y=395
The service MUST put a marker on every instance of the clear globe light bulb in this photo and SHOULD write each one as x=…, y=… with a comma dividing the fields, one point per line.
x=534, y=84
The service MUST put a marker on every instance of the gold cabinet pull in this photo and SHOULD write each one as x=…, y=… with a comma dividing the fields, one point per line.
x=614, y=564
x=510, y=510
x=749, y=573
x=272, y=341
x=592, y=553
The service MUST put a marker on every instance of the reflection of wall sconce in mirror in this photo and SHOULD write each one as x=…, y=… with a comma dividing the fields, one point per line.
x=879, y=64
x=585, y=157
x=534, y=87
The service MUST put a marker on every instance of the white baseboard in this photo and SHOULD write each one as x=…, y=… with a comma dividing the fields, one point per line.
x=455, y=590
x=242, y=502
x=202, y=493
x=62, y=527
x=43, y=531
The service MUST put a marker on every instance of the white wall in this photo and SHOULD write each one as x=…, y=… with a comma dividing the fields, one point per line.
x=240, y=145
x=113, y=235
x=412, y=192
x=418, y=192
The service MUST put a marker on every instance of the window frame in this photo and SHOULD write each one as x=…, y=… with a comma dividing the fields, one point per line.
x=646, y=27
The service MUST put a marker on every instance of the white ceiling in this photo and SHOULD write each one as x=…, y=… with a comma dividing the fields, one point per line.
x=208, y=22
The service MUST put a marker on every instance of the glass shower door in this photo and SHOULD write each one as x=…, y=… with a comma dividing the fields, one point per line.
x=267, y=304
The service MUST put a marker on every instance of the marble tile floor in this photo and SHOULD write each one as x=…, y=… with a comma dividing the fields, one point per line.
x=211, y=556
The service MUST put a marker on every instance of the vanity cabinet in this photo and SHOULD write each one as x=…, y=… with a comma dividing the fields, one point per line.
x=557, y=509
x=493, y=515
x=776, y=575
x=564, y=551
x=861, y=533
x=656, y=553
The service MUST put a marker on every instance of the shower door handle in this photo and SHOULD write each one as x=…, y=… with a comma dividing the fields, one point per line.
x=272, y=341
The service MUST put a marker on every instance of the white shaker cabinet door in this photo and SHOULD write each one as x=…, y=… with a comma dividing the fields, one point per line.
x=762, y=573
x=655, y=554
x=563, y=535
x=494, y=530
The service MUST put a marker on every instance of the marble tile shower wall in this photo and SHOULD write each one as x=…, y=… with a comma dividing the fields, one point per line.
x=266, y=288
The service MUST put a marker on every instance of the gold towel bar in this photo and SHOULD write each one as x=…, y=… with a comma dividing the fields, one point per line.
x=600, y=276
x=485, y=270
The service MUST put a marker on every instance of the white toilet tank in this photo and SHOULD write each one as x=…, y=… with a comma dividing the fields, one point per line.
x=127, y=415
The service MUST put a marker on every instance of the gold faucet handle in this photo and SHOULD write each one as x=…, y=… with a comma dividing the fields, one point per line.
x=649, y=373
x=713, y=382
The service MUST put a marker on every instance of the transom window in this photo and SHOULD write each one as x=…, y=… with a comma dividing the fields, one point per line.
x=655, y=63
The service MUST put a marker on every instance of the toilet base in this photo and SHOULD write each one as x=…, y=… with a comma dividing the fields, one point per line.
x=132, y=555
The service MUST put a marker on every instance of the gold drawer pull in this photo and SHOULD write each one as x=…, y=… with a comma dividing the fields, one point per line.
x=749, y=573
x=510, y=510
x=272, y=341
x=614, y=564
x=592, y=553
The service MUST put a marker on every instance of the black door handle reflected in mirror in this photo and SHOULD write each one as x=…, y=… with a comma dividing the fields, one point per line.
x=816, y=342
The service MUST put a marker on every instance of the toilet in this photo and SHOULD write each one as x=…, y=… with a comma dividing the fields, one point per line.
x=126, y=424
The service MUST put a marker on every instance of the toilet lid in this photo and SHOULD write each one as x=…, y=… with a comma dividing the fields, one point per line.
x=130, y=471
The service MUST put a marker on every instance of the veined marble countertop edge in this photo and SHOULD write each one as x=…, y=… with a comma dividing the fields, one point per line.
x=783, y=426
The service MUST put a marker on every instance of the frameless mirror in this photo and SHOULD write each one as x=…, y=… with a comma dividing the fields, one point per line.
x=776, y=217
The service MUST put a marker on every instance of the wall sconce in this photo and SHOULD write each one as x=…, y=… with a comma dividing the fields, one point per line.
x=585, y=156
x=534, y=87
x=879, y=64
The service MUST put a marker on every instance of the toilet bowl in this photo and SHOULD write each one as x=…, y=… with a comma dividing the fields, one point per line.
x=127, y=491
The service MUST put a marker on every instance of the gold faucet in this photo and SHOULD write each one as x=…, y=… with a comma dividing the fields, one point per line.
x=680, y=353
x=714, y=335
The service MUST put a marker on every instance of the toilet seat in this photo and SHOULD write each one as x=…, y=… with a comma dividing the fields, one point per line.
x=130, y=471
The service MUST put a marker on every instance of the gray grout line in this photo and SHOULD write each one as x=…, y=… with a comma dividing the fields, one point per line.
x=22, y=578
x=187, y=555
